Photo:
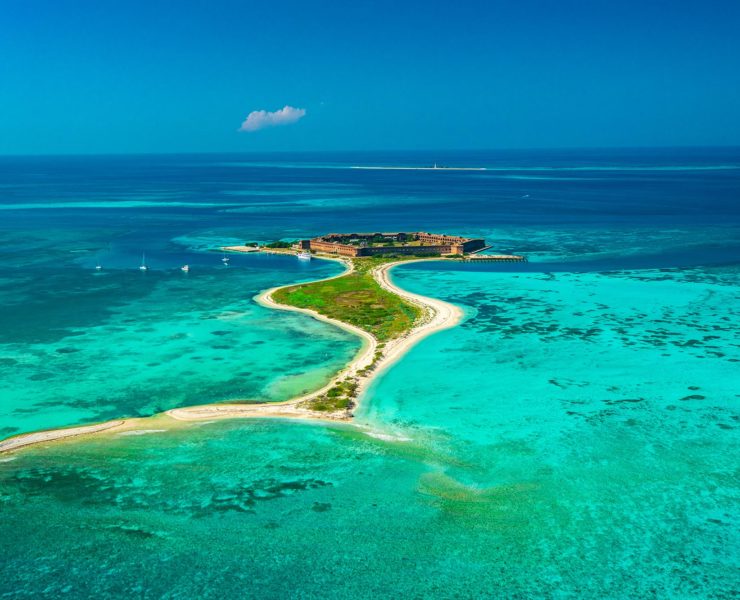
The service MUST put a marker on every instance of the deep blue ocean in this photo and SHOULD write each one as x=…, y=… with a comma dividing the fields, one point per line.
x=575, y=436
x=115, y=206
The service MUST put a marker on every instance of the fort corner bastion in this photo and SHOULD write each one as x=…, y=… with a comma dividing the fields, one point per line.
x=373, y=244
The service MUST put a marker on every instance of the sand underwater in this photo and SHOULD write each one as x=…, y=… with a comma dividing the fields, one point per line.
x=575, y=435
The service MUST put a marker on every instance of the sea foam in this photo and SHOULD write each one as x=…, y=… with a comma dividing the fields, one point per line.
x=387, y=437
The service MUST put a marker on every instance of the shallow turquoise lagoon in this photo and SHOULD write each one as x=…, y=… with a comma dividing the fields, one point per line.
x=617, y=348
x=79, y=346
x=576, y=435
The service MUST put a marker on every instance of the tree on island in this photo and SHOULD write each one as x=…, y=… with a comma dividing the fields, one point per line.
x=280, y=244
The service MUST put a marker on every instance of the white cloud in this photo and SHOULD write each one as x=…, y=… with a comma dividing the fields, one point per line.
x=259, y=119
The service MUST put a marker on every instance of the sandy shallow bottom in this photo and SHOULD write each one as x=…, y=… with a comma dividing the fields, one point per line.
x=436, y=316
x=121, y=344
x=522, y=453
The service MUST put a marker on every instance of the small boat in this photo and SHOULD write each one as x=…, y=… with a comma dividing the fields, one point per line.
x=143, y=266
x=98, y=267
x=225, y=259
x=185, y=268
x=304, y=255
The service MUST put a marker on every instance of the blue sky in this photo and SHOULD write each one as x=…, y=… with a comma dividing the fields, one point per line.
x=154, y=76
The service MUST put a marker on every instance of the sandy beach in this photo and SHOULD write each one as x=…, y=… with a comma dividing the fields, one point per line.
x=39, y=437
x=240, y=249
x=436, y=316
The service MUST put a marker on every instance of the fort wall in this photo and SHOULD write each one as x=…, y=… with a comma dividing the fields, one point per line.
x=361, y=244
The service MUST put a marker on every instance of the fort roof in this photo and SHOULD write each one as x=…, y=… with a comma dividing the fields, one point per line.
x=400, y=242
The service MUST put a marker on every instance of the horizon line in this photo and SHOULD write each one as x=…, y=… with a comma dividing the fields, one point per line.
x=357, y=151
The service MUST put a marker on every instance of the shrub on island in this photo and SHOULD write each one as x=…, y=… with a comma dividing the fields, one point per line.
x=339, y=397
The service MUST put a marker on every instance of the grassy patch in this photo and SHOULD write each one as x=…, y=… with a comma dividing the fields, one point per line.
x=356, y=299
x=339, y=397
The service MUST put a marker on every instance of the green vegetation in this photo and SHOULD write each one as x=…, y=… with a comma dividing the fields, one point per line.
x=340, y=397
x=279, y=244
x=357, y=299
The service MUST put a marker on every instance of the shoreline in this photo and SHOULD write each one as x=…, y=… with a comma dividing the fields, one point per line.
x=437, y=315
x=51, y=435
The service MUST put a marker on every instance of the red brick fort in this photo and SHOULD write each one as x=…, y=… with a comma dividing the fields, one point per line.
x=372, y=244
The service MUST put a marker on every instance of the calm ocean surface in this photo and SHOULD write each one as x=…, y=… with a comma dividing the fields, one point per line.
x=577, y=434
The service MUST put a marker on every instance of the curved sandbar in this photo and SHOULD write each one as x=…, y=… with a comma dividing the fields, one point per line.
x=290, y=408
x=39, y=437
x=436, y=315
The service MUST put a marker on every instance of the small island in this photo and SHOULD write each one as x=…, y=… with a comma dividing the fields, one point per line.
x=363, y=300
x=358, y=299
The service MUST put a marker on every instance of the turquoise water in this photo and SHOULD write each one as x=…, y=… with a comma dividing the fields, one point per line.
x=79, y=346
x=575, y=436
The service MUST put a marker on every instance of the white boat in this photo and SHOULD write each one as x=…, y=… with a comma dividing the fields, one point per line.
x=185, y=268
x=98, y=267
x=304, y=255
x=225, y=259
x=143, y=266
